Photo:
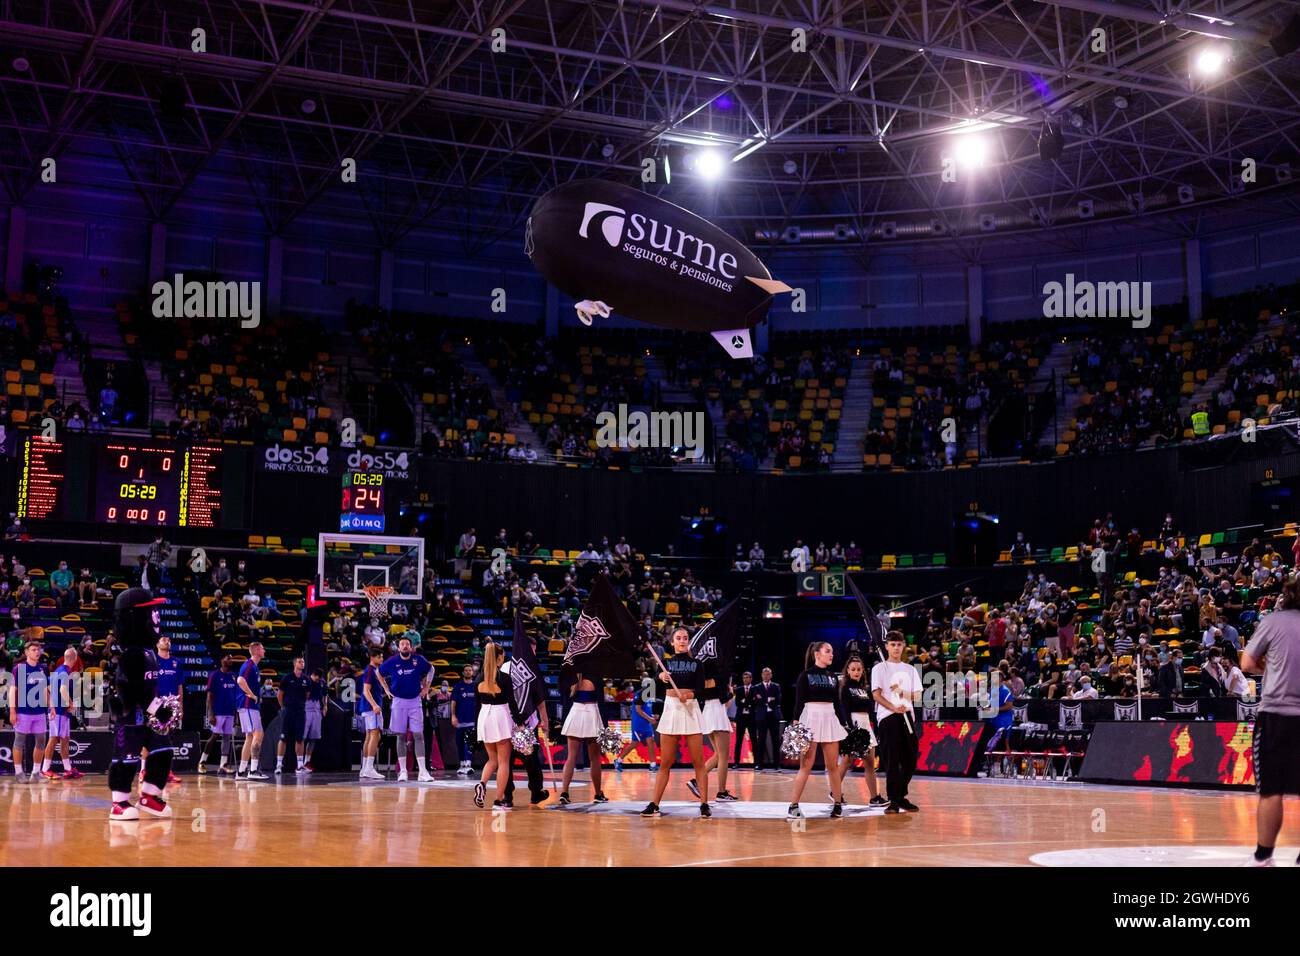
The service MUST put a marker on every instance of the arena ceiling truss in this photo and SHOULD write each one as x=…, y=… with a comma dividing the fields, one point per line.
x=833, y=116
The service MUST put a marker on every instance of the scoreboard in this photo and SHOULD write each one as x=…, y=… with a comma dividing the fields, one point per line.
x=136, y=482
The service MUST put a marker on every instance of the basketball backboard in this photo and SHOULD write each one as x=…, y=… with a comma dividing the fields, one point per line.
x=346, y=564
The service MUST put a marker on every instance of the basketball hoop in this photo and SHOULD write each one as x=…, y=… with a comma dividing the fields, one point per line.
x=379, y=596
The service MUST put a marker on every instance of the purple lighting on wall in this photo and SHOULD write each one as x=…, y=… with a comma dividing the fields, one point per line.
x=724, y=102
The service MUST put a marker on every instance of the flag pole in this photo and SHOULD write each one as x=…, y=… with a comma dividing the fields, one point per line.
x=864, y=609
x=1138, y=659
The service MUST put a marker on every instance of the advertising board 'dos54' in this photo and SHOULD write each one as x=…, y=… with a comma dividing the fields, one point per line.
x=612, y=247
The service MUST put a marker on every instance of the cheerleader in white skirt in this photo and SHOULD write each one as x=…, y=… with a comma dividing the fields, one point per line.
x=715, y=723
x=681, y=718
x=857, y=703
x=582, y=725
x=497, y=720
x=817, y=706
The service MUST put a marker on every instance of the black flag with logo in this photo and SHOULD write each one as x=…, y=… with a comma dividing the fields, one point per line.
x=716, y=641
x=525, y=672
x=875, y=627
x=606, y=637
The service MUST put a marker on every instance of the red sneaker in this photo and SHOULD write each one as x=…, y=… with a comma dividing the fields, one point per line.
x=172, y=778
x=123, y=812
x=51, y=774
x=153, y=806
x=73, y=774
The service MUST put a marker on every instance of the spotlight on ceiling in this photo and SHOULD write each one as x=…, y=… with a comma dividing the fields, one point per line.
x=1210, y=60
x=1076, y=120
x=1120, y=101
x=20, y=64
x=309, y=106
x=971, y=150
x=607, y=150
x=790, y=167
x=708, y=164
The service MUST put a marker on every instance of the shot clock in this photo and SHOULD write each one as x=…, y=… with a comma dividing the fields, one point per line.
x=362, y=507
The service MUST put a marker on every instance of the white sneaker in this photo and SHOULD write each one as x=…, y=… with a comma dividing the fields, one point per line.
x=425, y=777
x=1254, y=862
x=373, y=774
x=464, y=771
x=402, y=777
x=301, y=770
x=255, y=775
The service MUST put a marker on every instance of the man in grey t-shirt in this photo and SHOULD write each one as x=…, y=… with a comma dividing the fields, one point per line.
x=1274, y=651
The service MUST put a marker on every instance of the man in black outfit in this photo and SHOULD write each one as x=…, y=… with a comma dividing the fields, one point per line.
x=292, y=697
x=746, y=698
x=1168, y=678
x=767, y=718
x=540, y=724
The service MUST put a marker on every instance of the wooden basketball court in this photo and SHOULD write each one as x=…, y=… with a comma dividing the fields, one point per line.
x=334, y=820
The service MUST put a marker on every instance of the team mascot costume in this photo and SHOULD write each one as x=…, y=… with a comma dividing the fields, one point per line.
x=141, y=719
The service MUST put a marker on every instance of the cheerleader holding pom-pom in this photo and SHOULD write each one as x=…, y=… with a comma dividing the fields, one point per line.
x=856, y=701
x=817, y=707
x=681, y=718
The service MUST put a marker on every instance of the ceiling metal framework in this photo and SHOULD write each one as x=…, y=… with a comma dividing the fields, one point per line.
x=459, y=113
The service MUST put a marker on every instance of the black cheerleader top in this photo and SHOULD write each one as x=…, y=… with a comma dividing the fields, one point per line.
x=817, y=685
x=687, y=673
x=856, y=700
x=718, y=691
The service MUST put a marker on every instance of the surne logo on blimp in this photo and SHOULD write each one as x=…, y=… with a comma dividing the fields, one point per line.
x=612, y=247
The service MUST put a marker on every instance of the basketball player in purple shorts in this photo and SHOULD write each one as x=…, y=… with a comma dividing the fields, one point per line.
x=406, y=679
x=250, y=714
x=29, y=703
x=61, y=704
x=371, y=712
x=223, y=695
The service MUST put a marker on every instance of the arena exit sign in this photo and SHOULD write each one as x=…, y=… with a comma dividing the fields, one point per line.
x=826, y=584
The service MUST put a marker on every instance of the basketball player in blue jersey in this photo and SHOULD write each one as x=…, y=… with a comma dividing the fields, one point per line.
x=370, y=707
x=223, y=696
x=250, y=714
x=406, y=677
x=29, y=705
x=61, y=705
x=169, y=682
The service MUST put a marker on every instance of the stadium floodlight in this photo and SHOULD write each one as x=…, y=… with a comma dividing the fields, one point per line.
x=1210, y=60
x=971, y=150
x=708, y=164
